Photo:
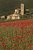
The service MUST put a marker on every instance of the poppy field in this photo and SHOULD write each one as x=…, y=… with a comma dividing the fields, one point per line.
x=16, y=35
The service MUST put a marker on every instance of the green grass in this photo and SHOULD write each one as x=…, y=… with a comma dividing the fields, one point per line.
x=7, y=36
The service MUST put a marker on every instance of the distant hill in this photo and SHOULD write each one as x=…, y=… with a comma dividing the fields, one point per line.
x=8, y=6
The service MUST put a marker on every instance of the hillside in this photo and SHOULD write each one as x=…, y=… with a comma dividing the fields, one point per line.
x=8, y=6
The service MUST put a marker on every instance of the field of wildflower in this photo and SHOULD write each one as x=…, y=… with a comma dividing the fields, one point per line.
x=16, y=35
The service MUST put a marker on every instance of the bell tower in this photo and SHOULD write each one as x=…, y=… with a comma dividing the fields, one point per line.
x=22, y=7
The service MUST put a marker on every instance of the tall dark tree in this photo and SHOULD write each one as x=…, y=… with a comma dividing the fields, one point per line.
x=29, y=4
x=22, y=1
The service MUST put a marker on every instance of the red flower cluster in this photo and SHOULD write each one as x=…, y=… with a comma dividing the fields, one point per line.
x=23, y=23
x=21, y=37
